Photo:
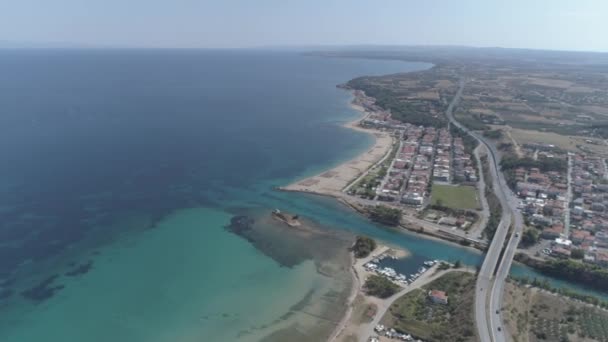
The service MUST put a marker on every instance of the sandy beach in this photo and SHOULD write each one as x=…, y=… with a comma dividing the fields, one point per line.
x=333, y=181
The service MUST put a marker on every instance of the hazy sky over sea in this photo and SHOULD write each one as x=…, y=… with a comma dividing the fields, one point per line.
x=546, y=24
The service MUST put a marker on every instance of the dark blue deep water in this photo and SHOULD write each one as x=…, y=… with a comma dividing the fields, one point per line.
x=87, y=136
x=91, y=139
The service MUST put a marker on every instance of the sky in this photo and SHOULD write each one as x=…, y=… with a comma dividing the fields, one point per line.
x=539, y=24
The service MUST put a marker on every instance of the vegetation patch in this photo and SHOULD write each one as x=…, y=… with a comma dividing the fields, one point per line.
x=493, y=202
x=380, y=287
x=385, y=215
x=455, y=197
x=415, y=314
x=363, y=246
x=529, y=237
x=571, y=270
x=493, y=134
x=543, y=316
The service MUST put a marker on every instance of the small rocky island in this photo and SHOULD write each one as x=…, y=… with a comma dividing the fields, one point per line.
x=290, y=220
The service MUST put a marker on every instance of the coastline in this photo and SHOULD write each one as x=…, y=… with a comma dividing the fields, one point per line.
x=358, y=300
x=334, y=181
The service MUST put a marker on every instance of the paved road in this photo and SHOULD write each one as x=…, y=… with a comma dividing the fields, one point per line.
x=490, y=285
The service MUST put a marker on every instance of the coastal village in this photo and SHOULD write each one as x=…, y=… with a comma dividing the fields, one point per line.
x=426, y=174
x=422, y=155
x=569, y=207
x=566, y=205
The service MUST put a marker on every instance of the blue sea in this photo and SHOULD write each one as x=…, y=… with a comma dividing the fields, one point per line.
x=121, y=168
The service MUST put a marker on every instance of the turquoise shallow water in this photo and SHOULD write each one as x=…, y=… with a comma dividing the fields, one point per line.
x=185, y=280
x=136, y=160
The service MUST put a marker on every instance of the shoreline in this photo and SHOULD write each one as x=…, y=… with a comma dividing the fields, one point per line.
x=358, y=274
x=332, y=183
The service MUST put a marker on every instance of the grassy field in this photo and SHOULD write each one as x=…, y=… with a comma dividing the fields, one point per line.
x=415, y=314
x=455, y=197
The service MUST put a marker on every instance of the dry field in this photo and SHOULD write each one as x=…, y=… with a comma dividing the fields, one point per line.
x=568, y=143
x=533, y=315
x=444, y=84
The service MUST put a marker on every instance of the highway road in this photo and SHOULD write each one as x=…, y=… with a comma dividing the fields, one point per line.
x=490, y=285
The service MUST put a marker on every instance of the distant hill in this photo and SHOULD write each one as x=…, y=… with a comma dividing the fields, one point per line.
x=465, y=55
x=10, y=44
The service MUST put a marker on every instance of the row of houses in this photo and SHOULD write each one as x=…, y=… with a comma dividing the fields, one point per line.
x=588, y=212
x=464, y=169
x=443, y=157
x=420, y=148
x=589, y=188
x=543, y=196
x=589, y=207
x=401, y=166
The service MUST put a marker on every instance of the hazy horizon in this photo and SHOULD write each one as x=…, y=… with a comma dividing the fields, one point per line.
x=542, y=25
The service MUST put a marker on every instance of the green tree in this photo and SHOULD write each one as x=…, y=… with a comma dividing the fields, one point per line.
x=577, y=253
x=529, y=237
x=380, y=287
x=363, y=246
x=386, y=215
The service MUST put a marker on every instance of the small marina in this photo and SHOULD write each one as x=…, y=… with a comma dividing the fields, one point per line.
x=391, y=333
x=378, y=266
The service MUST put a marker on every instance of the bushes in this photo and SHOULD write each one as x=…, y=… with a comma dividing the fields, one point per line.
x=380, y=287
x=386, y=215
x=443, y=266
x=529, y=237
x=577, y=253
x=546, y=164
x=493, y=134
x=363, y=246
x=587, y=274
x=544, y=284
